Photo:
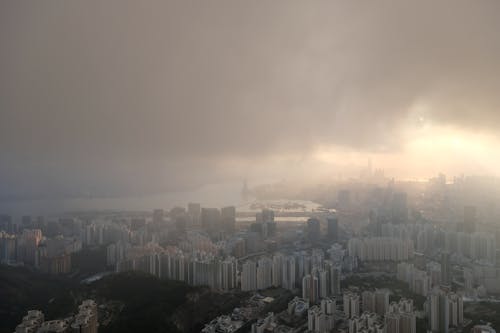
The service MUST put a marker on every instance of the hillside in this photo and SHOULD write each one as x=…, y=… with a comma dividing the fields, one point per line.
x=129, y=302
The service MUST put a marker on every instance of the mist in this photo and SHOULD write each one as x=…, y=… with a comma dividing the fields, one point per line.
x=126, y=98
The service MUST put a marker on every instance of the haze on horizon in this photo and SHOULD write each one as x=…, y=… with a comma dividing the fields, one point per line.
x=129, y=97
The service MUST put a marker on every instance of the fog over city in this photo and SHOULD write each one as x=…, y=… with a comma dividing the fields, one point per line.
x=230, y=166
x=139, y=97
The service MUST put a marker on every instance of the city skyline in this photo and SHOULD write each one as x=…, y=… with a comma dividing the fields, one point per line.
x=231, y=166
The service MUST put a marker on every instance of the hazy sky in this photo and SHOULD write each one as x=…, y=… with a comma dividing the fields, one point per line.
x=125, y=97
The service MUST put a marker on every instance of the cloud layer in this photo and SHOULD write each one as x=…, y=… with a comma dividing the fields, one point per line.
x=126, y=96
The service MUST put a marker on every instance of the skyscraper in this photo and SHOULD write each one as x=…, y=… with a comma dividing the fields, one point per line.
x=333, y=228
x=392, y=323
x=368, y=301
x=228, y=274
x=6, y=223
x=351, y=304
x=445, y=269
x=194, y=212
x=381, y=301
x=210, y=220
x=228, y=216
x=456, y=307
x=334, y=272
x=313, y=230
x=310, y=288
x=289, y=273
x=264, y=273
x=277, y=270
x=323, y=283
x=438, y=311
x=265, y=222
x=249, y=276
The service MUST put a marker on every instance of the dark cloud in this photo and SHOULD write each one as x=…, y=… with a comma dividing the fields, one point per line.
x=122, y=96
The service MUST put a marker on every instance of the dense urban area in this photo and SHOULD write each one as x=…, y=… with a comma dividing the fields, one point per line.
x=225, y=166
x=365, y=255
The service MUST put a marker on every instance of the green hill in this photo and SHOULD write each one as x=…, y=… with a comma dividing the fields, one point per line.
x=129, y=302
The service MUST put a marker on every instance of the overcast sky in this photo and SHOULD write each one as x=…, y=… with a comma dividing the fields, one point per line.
x=121, y=97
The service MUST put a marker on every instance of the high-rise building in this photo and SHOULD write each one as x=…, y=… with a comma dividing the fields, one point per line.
x=381, y=301
x=228, y=274
x=334, y=274
x=277, y=270
x=375, y=301
x=8, y=247
x=313, y=230
x=368, y=301
x=392, y=323
x=267, y=215
x=181, y=223
x=324, y=286
x=27, y=245
x=328, y=305
x=249, y=276
x=438, y=311
x=351, y=305
x=445, y=269
x=6, y=224
x=288, y=273
x=194, y=212
x=468, y=279
x=210, y=220
x=456, y=307
x=318, y=321
x=483, y=247
x=265, y=223
x=310, y=288
x=228, y=216
x=264, y=273
x=407, y=322
x=380, y=248
x=400, y=317
x=332, y=228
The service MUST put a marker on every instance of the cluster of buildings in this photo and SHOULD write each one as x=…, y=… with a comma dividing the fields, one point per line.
x=380, y=249
x=478, y=246
x=31, y=248
x=196, y=267
x=205, y=247
x=85, y=321
x=228, y=260
x=378, y=315
x=319, y=277
x=367, y=322
x=321, y=318
x=419, y=281
x=400, y=317
x=249, y=312
x=444, y=309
